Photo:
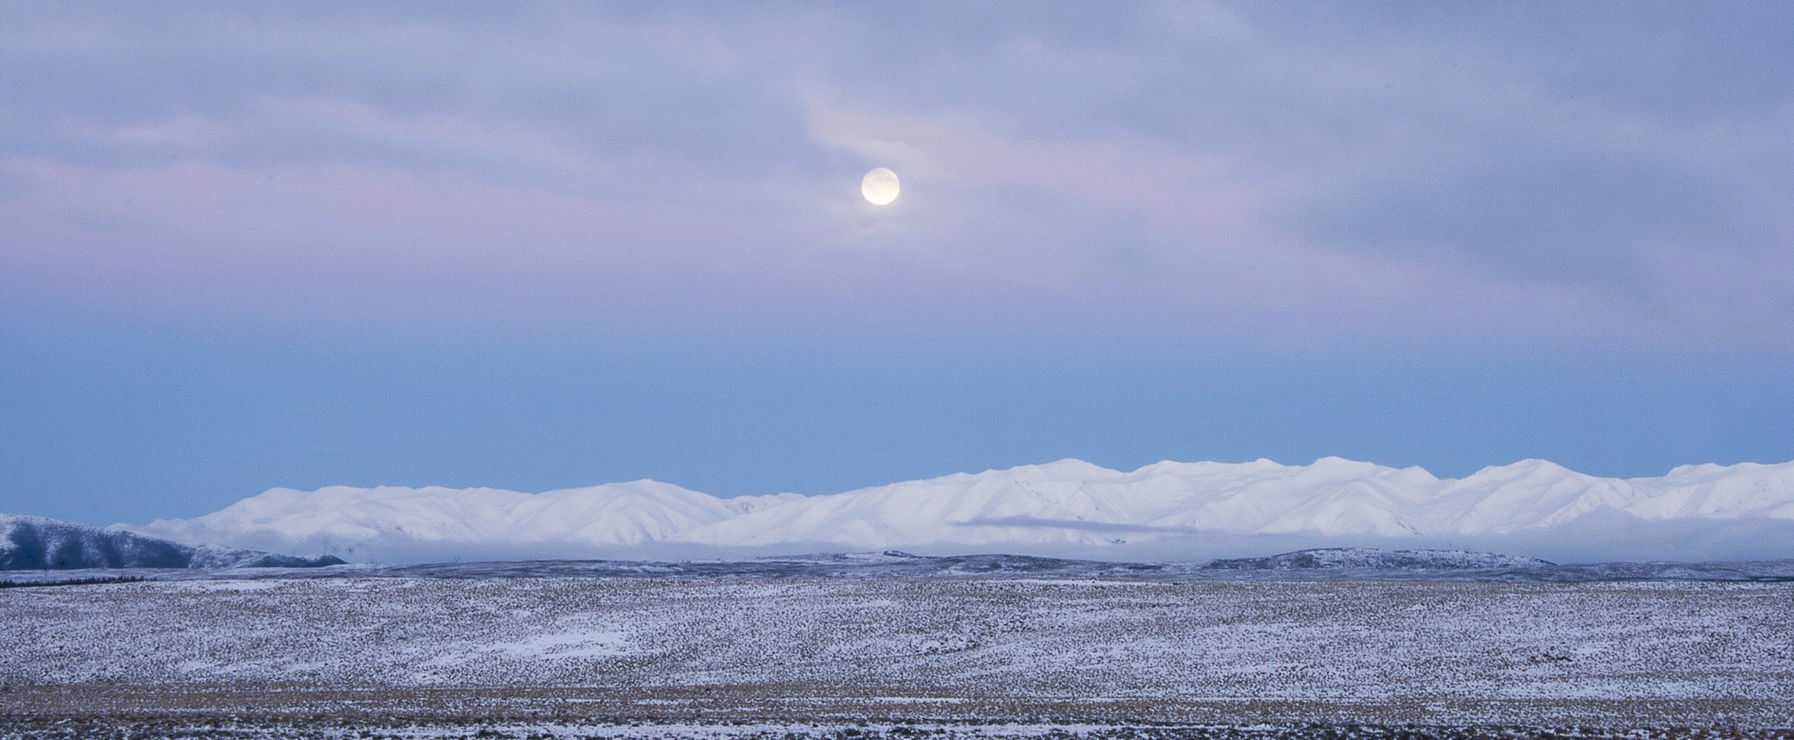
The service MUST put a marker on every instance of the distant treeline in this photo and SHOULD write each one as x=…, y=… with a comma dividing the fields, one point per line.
x=73, y=581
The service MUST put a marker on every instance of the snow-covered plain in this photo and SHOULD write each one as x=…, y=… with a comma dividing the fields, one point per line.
x=1532, y=506
x=1098, y=650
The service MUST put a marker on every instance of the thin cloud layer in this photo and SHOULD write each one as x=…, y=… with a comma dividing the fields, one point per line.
x=1226, y=170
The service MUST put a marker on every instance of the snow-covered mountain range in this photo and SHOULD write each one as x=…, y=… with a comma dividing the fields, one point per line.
x=36, y=543
x=1064, y=506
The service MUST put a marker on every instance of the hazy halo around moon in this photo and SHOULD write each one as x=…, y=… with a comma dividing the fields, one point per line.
x=879, y=186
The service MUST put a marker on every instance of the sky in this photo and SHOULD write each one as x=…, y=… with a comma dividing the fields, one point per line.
x=255, y=245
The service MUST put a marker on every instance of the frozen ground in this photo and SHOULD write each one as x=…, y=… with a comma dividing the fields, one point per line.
x=588, y=656
x=1330, y=563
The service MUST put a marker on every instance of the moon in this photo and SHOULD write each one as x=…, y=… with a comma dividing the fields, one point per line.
x=879, y=186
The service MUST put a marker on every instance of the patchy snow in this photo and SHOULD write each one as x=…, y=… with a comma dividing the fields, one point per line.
x=595, y=643
x=834, y=729
x=937, y=638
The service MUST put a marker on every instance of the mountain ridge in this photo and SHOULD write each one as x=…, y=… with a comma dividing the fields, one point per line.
x=1067, y=503
x=41, y=543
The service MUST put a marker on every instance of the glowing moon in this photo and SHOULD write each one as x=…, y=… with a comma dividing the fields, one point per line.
x=879, y=186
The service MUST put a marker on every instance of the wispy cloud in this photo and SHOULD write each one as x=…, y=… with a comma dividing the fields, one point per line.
x=1213, y=169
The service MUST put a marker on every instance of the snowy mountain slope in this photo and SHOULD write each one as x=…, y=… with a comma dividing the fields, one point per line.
x=1526, y=494
x=37, y=543
x=1718, y=492
x=600, y=516
x=1069, y=504
x=1332, y=496
x=992, y=507
x=1075, y=502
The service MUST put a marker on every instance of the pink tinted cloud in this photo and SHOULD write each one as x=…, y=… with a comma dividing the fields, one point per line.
x=186, y=231
x=629, y=240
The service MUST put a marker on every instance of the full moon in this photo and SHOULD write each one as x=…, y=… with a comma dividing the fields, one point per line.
x=879, y=186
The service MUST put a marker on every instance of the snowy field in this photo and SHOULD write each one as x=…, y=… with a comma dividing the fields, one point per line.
x=576, y=657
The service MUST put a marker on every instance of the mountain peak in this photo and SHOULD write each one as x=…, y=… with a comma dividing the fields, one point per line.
x=1064, y=468
x=1335, y=461
x=1530, y=467
x=1072, y=466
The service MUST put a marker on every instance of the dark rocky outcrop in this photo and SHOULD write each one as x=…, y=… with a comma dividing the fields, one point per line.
x=37, y=543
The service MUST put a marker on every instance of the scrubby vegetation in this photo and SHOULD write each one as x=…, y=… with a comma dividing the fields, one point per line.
x=85, y=581
x=1354, y=658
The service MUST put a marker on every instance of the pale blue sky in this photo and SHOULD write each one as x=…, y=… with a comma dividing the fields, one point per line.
x=245, y=247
